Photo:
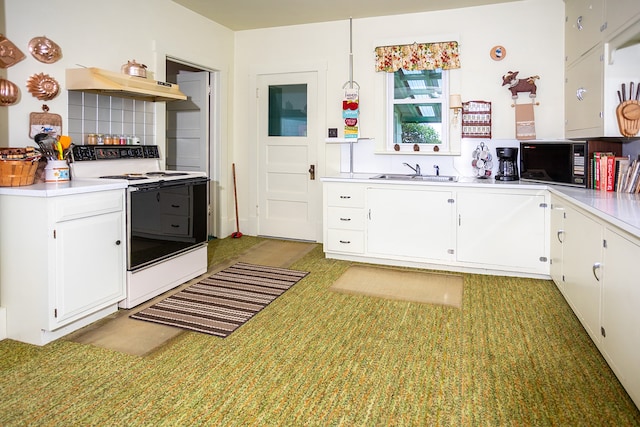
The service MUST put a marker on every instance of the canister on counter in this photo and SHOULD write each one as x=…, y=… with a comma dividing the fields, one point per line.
x=92, y=139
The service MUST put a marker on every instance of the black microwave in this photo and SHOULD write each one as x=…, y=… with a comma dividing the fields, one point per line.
x=562, y=162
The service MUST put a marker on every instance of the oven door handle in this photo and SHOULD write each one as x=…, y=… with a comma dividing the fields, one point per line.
x=166, y=184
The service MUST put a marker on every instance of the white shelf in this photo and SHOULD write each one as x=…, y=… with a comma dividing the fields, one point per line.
x=344, y=140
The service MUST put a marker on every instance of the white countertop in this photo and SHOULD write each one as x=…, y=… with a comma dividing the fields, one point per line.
x=620, y=209
x=75, y=186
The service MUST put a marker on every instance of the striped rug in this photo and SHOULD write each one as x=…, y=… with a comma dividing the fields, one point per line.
x=221, y=303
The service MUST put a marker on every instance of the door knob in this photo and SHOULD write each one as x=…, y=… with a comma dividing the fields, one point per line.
x=312, y=172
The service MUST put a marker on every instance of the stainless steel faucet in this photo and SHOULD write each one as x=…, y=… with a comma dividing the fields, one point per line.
x=437, y=168
x=416, y=169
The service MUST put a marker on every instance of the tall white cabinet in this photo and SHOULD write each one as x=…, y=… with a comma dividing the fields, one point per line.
x=602, y=40
x=63, y=262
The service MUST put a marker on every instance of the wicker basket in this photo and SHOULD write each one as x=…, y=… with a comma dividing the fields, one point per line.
x=14, y=173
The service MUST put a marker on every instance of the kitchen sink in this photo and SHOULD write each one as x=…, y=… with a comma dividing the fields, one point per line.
x=412, y=177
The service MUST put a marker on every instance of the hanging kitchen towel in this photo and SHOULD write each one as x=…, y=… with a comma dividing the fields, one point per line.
x=525, y=122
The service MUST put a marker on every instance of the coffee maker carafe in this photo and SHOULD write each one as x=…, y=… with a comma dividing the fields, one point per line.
x=507, y=164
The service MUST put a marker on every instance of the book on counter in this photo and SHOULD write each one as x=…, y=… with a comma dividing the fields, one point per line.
x=632, y=184
x=615, y=173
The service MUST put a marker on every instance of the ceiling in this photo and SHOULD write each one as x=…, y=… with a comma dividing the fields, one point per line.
x=240, y=15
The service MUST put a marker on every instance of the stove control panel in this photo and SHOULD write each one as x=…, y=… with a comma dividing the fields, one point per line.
x=106, y=152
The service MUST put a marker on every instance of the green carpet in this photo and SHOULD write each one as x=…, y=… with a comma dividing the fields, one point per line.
x=513, y=355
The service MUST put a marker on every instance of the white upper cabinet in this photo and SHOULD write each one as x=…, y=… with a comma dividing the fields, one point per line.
x=619, y=14
x=584, y=22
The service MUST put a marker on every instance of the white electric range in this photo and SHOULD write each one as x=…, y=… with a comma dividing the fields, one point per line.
x=166, y=216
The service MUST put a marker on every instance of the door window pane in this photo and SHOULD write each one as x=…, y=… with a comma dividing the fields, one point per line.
x=288, y=110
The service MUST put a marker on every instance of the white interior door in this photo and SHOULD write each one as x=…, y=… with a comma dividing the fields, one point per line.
x=288, y=188
x=188, y=124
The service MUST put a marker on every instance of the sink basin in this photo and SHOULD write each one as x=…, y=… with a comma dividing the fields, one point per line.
x=411, y=177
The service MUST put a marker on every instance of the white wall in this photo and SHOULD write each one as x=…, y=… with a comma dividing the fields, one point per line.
x=532, y=31
x=106, y=35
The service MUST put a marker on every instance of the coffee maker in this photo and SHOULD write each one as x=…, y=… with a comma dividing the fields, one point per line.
x=507, y=164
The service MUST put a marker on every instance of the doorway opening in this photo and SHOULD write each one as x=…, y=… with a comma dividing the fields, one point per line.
x=193, y=130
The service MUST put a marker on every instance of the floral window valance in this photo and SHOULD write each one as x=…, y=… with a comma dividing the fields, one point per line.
x=418, y=56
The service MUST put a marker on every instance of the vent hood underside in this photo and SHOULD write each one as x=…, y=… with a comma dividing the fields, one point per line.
x=105, y=82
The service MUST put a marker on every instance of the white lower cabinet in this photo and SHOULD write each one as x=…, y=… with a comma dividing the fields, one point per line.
x=582, y=260
x=410, y=223
x=599, y=280
x=620, y=340
x=556, y=219
x=487, y=231
x=63, y=262
x=344, y=218
x=503, y=229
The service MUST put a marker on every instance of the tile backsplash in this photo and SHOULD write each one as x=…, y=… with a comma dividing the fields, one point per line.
x=103, y=114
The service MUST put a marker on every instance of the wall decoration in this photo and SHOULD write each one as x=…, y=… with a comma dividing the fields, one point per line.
x=45, y=50
x=525, y=118
x=476, y=119
x=9, y=93
x=498, y=53
x=45, y=122
x=350, y=112
x=43, y=86
x=516, y=85
x=9, y=53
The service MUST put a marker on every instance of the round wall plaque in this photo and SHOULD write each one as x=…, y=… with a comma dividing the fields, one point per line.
x=498, y=53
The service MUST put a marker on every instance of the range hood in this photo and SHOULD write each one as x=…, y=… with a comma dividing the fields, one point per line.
x=105, y=82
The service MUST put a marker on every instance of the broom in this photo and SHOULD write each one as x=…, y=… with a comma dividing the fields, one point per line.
x=237, y=234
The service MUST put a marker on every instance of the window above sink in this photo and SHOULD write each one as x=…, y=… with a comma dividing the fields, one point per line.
x=419, y=78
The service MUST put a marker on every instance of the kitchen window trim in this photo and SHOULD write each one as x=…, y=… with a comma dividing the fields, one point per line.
x=385, y=145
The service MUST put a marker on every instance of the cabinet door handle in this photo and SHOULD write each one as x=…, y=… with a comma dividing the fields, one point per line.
x=118, y=242
x=596, y=266
x=346, y=242
x=579, y=23
x=345, y=197
x=560, y=233
x=345, y=219
x=312, y=172
x=580, y=93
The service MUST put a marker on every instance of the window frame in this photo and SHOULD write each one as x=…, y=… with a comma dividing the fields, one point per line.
x=445, y=146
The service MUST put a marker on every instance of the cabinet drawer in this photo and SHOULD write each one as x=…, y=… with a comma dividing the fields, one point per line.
x=174, y=204
x=345, y=241
x=175, y=225
x=87, y=204
x=345, y=218
x=345, y=195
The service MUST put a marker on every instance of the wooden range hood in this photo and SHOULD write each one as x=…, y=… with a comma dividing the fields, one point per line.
x=105, y=82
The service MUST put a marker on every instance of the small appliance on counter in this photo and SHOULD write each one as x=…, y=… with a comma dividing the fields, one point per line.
x=507, y=164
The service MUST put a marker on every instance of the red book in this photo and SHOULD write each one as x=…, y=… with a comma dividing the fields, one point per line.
x=611, y=165
x=596, y=170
